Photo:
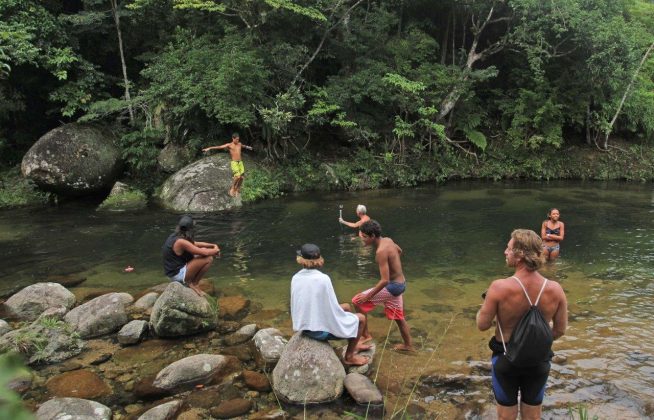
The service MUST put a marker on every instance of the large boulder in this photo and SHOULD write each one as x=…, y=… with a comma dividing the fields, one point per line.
x=46, y=340
x=269, y=344
x=201, y=369
x=308, y=372
x=73, y=159
x=73, y=408
x=30, y=302
x=173, y=157
x=102, y=315
x=202, y=186
x=180, y=311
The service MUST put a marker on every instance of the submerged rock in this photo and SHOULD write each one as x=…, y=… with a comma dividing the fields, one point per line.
x=257, y=381
x=78, y=384
x=270, y=344
x=232, y=408
x=72, y=408
x=31, y=301
x=200, y=369
x=180, y=311
x=309, y=372
x=73, y=159
x=362, y=389
x=166, y=411
x=201, y=186
x=233, y=308
x=102, y=315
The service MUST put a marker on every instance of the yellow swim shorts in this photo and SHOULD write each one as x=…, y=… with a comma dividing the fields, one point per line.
x=237, y=168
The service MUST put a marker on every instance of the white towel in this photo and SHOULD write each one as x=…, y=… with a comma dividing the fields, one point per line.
x=314, y=306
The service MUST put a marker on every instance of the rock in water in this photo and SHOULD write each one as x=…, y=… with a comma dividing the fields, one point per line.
x=362, y=389
x=164, y=411
x=73, y=159
x=73, y=408
x=30, y=302
x=194, y=370
x=270, y=344
x=133, y=332
x=102, y=315
x=201, y=186
x=180, y=311
x=308, y=372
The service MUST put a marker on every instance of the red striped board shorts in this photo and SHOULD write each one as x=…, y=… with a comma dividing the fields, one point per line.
x=393, y=305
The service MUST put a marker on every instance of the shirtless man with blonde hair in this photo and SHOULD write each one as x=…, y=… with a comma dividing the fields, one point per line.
x=507, y=300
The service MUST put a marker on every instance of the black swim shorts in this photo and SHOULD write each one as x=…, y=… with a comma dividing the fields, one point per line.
x=508, y=379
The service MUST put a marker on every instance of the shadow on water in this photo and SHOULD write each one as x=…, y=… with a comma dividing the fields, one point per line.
x=453, y=238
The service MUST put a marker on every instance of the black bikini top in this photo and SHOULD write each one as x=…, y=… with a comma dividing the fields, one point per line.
x=556, y=231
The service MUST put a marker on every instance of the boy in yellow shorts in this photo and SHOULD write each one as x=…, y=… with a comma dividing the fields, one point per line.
x=238, y=170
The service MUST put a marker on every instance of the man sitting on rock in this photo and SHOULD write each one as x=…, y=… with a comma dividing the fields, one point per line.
x=315, y=310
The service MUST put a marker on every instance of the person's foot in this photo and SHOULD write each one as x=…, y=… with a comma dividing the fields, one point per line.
x=365, y=339
x=355, y=360
x=362, y=347
x=403, y=348
x=197, y=290
x=231, y=192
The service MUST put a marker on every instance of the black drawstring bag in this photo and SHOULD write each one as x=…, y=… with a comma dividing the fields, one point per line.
x=531, y=341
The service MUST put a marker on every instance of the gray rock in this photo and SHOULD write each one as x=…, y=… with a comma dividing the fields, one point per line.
x=270, y=344
x=46, y=340
x=166, y=411
x=363, y=369
x=30, y=302
x=242, y=335
x=122, y=197
x=362, y=389
x=146, y=301
x=191, y=371
x=72, y=409
x=180, y=311
x=308, y=372
x=73, y=159
x=173, y=157
x=202, y=186
x=4, y=327
x=133, y=332
x=102, y=315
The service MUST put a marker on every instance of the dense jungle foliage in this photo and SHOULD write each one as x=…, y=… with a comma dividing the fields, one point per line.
x=397, y=81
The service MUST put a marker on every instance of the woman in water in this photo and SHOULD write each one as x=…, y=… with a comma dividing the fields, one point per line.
x=552, y=232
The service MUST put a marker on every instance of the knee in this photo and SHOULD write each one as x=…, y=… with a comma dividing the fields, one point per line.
x=208, y=260
x=362, y=319
x=346, y=307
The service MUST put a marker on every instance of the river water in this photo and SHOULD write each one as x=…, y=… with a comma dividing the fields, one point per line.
x=453, y=237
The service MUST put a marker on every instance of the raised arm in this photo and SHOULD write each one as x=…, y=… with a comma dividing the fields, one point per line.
x=247, y=147
x=223, y=146
x=185, y=245
x=350, y=224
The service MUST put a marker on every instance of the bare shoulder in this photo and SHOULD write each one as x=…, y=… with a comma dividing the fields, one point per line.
x=555, y=286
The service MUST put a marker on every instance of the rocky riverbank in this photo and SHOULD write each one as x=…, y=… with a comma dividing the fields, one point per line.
x=165, y=353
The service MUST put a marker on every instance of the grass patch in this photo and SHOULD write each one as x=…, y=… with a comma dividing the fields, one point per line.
x=126, y=200
x=16, y=191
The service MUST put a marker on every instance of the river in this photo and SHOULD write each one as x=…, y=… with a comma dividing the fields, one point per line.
x=453, y=237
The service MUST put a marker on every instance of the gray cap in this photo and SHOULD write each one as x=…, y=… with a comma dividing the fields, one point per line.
x=186, y=222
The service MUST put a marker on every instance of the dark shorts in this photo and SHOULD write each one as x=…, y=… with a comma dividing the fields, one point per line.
x=320, y=335
x=508, y=379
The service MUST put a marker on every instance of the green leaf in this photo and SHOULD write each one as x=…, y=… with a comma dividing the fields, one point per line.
x=477, y=138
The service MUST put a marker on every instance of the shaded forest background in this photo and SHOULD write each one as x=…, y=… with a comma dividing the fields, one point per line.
x=367, y=82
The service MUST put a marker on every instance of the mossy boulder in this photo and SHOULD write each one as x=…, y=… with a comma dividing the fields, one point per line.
x=73, y=159
x=179, y=311
x=122, y=197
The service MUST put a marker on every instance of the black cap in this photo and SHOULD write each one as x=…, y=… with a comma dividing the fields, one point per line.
x=186, y=222
x=309, y=252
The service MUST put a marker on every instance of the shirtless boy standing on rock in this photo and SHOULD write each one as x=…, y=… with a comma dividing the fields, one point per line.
x=238, y=170
x=388, y=291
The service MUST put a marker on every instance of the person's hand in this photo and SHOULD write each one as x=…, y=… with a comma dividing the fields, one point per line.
x=340, y=220
x=360, y=298
x=205, y=150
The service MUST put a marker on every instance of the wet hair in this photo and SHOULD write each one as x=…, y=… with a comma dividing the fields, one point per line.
x=549, y=212
x=528, y=246
x=188, y=234
x=362, y=209
x=235, y=135
x=315, y=263
x=371, y=228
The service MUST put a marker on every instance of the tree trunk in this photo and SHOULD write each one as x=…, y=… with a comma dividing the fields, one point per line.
x=626, y=94
x=128, y=98
x=445, y=38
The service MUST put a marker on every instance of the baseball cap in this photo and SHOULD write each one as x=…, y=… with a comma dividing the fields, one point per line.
x=186, y=222
x=309, y=252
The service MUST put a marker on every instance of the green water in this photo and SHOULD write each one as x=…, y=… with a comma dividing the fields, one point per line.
x=453, y=238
